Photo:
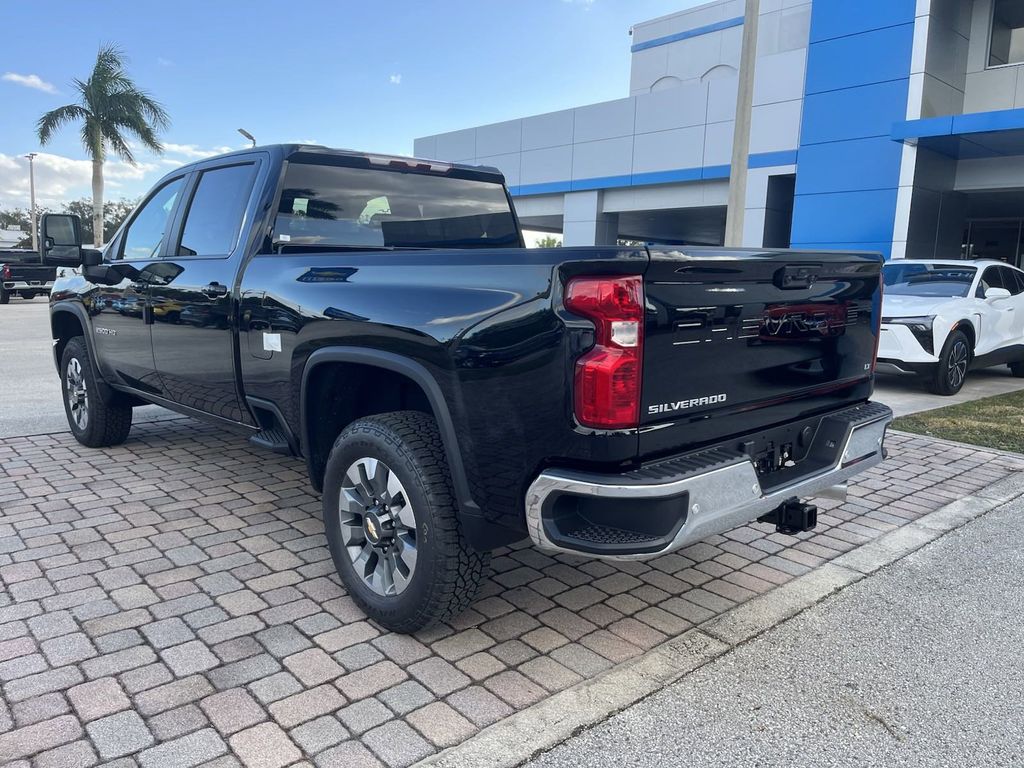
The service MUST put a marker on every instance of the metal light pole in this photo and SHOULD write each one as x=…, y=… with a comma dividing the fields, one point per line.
x=32, y=198
x=741, y=132
x=248, y=135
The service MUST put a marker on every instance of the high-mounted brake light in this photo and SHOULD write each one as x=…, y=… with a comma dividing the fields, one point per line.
x=607, y=380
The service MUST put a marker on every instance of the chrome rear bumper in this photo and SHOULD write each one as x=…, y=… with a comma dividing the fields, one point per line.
x=717, y=489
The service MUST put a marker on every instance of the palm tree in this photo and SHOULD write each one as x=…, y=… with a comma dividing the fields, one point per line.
x=110, y=107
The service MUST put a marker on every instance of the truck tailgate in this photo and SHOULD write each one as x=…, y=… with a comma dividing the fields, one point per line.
x=731, y=331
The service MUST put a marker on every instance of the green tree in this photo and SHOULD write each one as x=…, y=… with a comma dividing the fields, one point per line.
x=548, y=241
x=114, y=212
x=111, y=108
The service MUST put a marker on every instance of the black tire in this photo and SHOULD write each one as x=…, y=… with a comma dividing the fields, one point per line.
x=954, y=361
x=104, y=424
x=447, y=571
x=1017, y=369
x=5, y=297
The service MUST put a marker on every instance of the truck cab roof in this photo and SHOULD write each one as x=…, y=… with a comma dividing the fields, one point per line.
x=285, y=152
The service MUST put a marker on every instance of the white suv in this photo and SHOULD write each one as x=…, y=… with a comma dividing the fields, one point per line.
x=941, y=319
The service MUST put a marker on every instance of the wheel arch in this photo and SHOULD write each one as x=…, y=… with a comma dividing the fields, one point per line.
x=328, y=363
x=966, y=327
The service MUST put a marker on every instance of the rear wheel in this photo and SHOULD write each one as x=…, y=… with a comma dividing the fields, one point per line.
x=951, y=372
x=94, y=423
x=5, y=297
x=1017, y=369
x=392, y=524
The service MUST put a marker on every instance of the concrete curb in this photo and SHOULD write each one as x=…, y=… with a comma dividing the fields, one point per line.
x=523, y=735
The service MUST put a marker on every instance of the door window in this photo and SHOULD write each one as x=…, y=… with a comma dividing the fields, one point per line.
x=1010, y=280
x=992, y=278
x=215, y=214
x=145, y=235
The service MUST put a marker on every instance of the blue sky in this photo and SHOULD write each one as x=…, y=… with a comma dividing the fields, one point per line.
x=364, y=75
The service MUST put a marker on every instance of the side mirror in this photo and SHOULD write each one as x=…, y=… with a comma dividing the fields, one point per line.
x=995, y=294
x=61, y=236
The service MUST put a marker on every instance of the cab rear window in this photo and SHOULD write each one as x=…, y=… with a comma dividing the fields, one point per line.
x=337, y=206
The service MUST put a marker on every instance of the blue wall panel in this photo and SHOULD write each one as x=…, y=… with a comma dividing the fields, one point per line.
x=841, y=63
x=839, y=18
x=846, y=217
x=854, y=113
x=858, y=75
x=860, y=164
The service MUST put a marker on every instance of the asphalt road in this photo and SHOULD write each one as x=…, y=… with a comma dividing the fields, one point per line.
x=918, y=665
x=30, y=393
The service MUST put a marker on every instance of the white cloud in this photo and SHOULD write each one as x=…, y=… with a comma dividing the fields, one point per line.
x=395, y=79
x=29, y=81
x=60, y=179
x=302, y=141
x=193, y=151
x=164, y=62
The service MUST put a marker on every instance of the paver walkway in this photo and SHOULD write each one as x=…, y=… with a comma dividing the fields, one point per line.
x=172, y=602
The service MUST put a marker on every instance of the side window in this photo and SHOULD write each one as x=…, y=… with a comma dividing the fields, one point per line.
x=1010, y=280
x=990, y=279
x=215, y=213
x=145, y=234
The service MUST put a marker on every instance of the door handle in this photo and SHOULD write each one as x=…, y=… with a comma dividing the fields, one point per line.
x=215, y=290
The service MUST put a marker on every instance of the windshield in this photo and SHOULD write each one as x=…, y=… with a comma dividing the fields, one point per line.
x=933, y=280
x=328, y=205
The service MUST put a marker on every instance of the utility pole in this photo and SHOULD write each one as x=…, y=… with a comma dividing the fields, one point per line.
x=741, y=132
x=32, y=200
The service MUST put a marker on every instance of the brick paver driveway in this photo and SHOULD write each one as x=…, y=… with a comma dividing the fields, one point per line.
x=172, y=602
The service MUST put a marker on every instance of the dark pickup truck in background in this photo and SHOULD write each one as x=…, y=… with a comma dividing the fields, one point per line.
x=23, y=273
x=451, y=391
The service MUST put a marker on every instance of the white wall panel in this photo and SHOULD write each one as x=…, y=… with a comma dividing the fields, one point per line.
x=550, y=130
x=542, y=165
x=678, y=107
x=668, y=150
x=606, y=120
x=499, y=138
x=609, y=157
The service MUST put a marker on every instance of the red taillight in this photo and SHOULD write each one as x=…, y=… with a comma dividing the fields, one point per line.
x=7, y=272
x=607, y=381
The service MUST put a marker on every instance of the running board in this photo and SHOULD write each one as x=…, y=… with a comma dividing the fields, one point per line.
x=272, y=439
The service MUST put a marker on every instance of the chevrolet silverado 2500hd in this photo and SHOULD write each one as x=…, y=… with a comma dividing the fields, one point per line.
x=451, y=391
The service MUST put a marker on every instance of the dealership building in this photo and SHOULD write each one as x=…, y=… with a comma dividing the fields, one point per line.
x=891, y=125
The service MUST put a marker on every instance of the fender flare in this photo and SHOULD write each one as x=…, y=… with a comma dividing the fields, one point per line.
x=418, y=374
x=78, y=311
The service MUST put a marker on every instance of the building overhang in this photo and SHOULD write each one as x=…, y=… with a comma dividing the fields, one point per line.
x=967, y=137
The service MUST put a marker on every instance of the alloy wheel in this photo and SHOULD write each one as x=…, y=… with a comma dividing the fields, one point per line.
x=957, y=370
x=77, y=393
x=378, y=526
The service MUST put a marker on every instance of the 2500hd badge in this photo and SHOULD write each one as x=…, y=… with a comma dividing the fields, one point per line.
x=681, y=405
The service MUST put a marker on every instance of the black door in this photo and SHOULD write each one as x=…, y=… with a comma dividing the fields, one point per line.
x=193, y=307
x=122, y=337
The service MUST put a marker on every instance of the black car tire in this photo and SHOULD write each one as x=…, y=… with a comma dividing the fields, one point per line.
x=447, y=572
x=1017, y=369
x=105, y=424
x=954, y=361
x=5, y=297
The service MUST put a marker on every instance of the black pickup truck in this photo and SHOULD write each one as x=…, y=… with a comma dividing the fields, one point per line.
x=23, y=273
x=451, y=391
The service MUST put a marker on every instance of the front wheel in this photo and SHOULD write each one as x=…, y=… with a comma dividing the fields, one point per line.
x=94, y=423
x=392, y=523
x=951, y=372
